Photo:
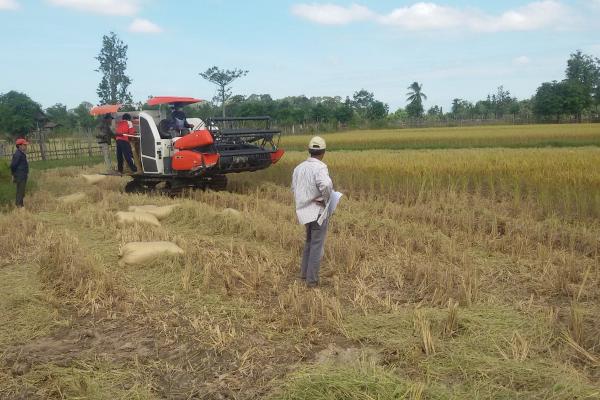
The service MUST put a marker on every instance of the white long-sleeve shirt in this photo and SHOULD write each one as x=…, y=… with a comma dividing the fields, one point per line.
x=311, y=182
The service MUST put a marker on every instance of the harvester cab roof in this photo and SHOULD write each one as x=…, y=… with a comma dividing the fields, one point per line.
x=197, y=154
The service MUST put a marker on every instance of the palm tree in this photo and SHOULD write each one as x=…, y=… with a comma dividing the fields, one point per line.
x=415, y=100
x=415, y=93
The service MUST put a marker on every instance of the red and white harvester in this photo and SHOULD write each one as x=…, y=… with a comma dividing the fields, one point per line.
x=198, y=156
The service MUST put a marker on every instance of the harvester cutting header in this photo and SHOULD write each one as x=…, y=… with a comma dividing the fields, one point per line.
x=178, y=152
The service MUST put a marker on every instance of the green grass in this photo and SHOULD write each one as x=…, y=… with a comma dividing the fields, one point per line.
x=67, y=162
x=353, y=382
x=81, y=380
x=482, y=359
x=7, y=188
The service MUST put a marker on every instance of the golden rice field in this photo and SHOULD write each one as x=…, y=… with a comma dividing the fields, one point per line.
x=448, y=274
x=506, y=136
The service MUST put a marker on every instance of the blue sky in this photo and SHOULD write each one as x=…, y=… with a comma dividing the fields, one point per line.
x=454, y=48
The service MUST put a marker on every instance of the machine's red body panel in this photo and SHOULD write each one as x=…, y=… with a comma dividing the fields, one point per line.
x=276, y=155
x=186, y=160
x=194, y=139
x=210, y=159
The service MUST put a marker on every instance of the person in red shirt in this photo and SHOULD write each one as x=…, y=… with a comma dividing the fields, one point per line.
x=124, y=128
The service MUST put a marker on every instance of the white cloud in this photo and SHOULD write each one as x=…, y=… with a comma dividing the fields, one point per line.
x=140, y=25
x=533, y=16
x=430, y=16
x=107, y=7
x=425, y=16
x=331, y=14
x=9, y=5
x=522, y=60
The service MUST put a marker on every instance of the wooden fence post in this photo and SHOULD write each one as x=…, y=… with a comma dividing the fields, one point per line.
x=88, y=134
x=42, y=143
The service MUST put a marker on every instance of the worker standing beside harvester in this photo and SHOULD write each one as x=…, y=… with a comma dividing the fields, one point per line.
x=312, y=189
x=104, y=138
x=124, y=130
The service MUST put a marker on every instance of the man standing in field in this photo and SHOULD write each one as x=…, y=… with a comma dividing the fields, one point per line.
x=312, y=189
x=104, y=138
x=19, y=168
x=124, y=130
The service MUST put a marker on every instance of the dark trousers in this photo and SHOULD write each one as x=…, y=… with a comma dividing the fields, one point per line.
x=124, y=151
x=313, y=251
x=20, y=192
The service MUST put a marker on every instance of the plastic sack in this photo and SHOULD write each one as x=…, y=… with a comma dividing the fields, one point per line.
x=159, y=212
x=130, y=218
x=93, y=179
x=137, y=253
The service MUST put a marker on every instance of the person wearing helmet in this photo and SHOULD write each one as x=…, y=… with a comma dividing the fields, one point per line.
x=19, y=168
x=124, y=130
x=312, y=188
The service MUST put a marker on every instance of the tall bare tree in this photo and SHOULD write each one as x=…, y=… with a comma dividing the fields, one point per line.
x=223, y=80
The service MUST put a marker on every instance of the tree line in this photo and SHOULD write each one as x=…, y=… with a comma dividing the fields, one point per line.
x=573, y=98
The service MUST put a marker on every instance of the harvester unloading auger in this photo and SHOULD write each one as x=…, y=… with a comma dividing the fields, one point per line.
x=198, y=157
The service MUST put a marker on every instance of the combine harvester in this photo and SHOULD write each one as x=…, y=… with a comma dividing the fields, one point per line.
x=199, y=157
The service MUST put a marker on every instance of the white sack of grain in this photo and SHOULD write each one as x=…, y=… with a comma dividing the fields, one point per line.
x=72, y=198
x=136, y=253
x=233, y=213
x=130, y=218
x=93, y=179
x=158, y=211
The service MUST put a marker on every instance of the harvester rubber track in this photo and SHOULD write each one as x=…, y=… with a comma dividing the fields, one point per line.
x=142, y=186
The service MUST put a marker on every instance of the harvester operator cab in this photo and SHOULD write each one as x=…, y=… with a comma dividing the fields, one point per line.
x=175, y=123
x=179, y=119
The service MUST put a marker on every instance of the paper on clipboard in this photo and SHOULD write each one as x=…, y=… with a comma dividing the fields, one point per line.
x=330, y=207
x=333, y=201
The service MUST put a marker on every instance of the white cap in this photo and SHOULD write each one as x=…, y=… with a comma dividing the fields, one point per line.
x=317, y=143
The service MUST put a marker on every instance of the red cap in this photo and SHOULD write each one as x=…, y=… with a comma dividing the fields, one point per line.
x=21, y=141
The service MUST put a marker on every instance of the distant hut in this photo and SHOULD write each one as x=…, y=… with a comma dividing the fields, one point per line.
x=49, y=127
